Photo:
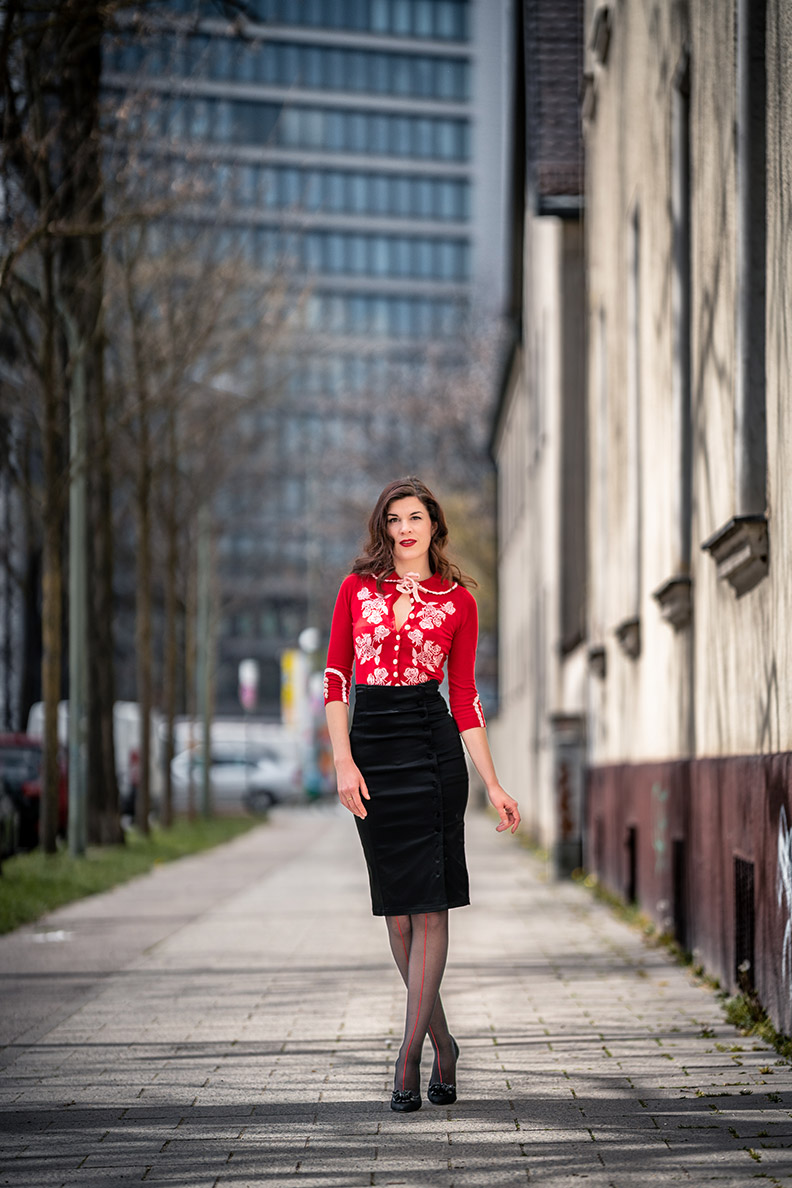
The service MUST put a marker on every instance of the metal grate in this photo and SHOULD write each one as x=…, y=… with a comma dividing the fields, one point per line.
x=631, y=845
x=599, y=844
x=679, y=891
x=744, y=924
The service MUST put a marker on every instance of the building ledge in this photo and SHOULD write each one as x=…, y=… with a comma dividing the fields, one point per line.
x=599, y=40
x=740, y=550
x=628, y=634
x=675, y=598
x=598, y=661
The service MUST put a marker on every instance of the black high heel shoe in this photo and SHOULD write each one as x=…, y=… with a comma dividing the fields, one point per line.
x=405, y=1100
x=439, y=1092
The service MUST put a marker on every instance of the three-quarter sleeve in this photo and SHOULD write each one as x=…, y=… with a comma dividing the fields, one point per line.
x=340, y=652
x=462, y=693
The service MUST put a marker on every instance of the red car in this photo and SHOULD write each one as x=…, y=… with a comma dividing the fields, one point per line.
x=21, y=760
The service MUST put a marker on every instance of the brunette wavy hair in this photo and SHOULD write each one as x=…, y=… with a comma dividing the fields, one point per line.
x=376, y=560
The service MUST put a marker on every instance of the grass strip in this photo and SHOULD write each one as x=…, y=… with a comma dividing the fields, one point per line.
x=34, y=883
x=744, y=1010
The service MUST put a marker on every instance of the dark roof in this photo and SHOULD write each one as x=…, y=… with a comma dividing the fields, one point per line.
x=553, y=31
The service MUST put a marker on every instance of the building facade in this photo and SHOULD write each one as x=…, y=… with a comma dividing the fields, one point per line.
x=539, y=444
x=687, y=717
x=360, y=143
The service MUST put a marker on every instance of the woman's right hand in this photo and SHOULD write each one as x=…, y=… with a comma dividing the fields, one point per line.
x=352, y=790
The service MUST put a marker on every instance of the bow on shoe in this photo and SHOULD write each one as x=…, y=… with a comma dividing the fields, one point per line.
x=409, y=585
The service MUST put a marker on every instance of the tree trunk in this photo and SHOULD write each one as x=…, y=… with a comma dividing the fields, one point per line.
x=171, y=642
x=102, y=685
x=82, y=279
x=52, y=570
x=143, y=619
x=191, y=703
x=104, y=821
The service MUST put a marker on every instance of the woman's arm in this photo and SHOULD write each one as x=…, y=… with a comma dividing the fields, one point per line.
x=475, y=739
x=352, y=790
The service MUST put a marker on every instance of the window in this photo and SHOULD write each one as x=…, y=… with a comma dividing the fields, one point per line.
x=247, y=185
x=402, y=17
x=425, y=198
x=380, y=320
x=337, y=68
x=380, y=259
x=402, y=257
x=380, y=135
x=358, y=315
x=222, y=63
x=381, y=73
x=423, y=76
x=223, y=121
x=446, y=79
x=199, y=119
x=348, y=191
x=401, y=191
x=313, y=190
x=357, y=14
x=359, y=254
x=358, y=73
x=447, y=141
x=402, y=320
x=425, y=250
x=334, y=125
x=312, y=127
x=336, y=191
x=360, y=192
x=424, y=146
x=381, y=195
x=401, y=142
x=197, y=56
x=448, y=260
x=335, y=252
x=449, y=20
x=289, y=62
x=291, y=186
x=357, y=140
x=313, y=72
x=423, y=11
x=269, y=186
x=268, y=63
x=380, y=16
x=402, y=83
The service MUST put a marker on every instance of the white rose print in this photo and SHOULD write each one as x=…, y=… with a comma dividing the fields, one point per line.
x=365, y=650
x=374, y=606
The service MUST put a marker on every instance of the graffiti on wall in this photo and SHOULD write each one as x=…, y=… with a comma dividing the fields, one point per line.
x=784, y=889
x=660, y=827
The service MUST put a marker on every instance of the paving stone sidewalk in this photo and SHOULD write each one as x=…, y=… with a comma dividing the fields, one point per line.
x=232, y=1020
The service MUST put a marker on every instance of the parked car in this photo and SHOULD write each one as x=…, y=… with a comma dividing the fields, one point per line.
x=242, y=776
x=21, y=761
x=9, y=824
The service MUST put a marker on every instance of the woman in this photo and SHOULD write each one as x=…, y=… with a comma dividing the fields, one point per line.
x=399, y=616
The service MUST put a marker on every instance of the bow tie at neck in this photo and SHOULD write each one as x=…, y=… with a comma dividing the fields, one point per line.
x=409, y=585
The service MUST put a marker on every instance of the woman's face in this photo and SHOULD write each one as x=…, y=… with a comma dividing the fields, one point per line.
x=410, y=529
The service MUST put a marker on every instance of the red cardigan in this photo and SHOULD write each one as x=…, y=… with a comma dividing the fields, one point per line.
x=443, y=623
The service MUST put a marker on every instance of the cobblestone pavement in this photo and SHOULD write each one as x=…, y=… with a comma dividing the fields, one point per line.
x=232, y=1019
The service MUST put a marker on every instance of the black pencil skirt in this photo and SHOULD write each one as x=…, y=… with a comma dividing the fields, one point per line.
x=408, y=748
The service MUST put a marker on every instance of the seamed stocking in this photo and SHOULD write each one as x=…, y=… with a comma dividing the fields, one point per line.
x=419, y=944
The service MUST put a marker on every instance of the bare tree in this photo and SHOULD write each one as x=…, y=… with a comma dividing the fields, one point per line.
x=189, y=329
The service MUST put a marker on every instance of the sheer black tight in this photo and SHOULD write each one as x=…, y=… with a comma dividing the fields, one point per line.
x=419, y=944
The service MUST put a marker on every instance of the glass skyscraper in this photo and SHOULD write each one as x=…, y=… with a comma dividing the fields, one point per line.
x=361, y=142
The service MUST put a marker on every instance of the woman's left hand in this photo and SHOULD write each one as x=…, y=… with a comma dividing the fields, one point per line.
x=507, y=808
